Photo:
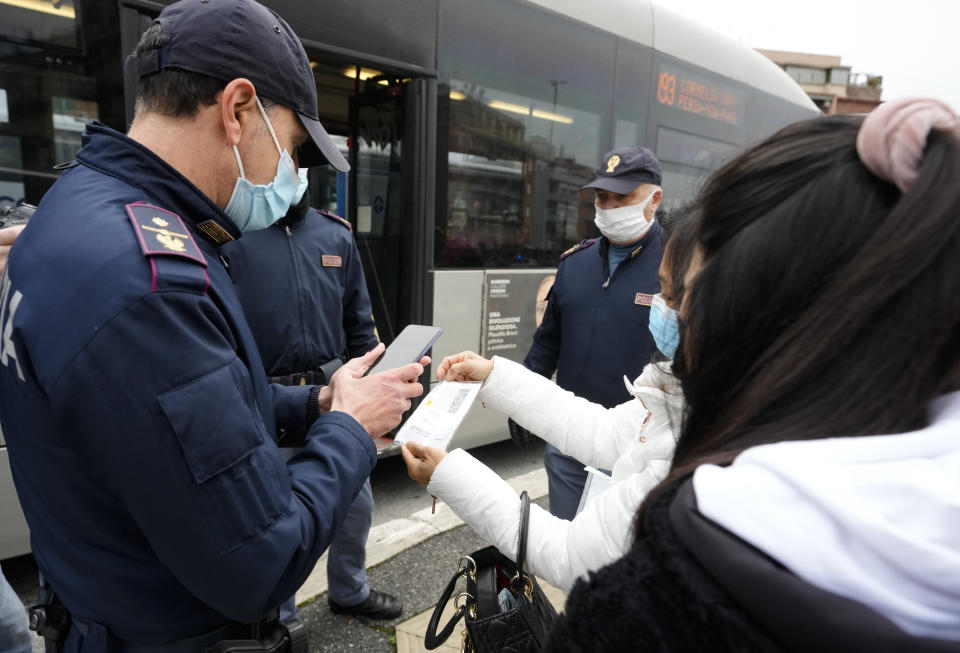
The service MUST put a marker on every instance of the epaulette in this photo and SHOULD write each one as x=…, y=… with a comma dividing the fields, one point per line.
x=583, y=244
x=167, y=243
x=336, y=218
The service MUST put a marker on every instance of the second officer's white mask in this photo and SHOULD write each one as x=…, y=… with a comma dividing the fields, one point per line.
x=625, y=224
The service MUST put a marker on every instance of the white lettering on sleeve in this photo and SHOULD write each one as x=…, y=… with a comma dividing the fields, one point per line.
x=7, y=313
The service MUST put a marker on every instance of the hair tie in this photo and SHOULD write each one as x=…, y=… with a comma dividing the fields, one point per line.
x=892, y=138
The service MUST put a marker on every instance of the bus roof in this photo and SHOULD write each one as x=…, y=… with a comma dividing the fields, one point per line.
x=666, y=31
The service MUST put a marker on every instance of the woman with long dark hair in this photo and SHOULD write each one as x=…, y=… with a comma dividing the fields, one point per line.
x=813, y=503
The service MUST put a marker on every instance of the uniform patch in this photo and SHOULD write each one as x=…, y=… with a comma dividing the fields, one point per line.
x=217, y=234
x=331, y=261
x=162, y=232
x=576, y=248
x=643, y=299
x=336, y=218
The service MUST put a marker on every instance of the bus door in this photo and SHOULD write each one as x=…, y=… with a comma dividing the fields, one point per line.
x=387, y=198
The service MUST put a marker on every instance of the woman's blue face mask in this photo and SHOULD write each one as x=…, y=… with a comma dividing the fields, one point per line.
x=664, y=326
x=257, y=206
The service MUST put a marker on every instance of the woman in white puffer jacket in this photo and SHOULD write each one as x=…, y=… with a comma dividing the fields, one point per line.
x=635, y=440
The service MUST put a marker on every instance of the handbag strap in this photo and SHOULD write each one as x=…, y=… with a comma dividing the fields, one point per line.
x=431, y=639
x=522, y=532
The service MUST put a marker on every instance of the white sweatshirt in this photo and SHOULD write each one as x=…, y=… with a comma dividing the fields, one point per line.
x=875, y=519
x=560, y=551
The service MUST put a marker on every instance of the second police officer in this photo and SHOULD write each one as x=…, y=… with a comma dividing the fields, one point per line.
x=595, y=329
x=302, y=287
x=140, y=425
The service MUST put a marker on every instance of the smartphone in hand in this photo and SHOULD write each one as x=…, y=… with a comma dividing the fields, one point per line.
x=410, y=346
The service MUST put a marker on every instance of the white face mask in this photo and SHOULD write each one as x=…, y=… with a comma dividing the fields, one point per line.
x=625, y=224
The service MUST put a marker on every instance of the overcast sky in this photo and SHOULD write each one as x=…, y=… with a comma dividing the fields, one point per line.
x=914, y=44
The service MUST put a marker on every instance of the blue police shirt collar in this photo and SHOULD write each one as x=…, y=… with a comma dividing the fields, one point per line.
x=117, y=155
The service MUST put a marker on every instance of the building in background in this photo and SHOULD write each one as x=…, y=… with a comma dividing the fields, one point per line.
x=830, y=84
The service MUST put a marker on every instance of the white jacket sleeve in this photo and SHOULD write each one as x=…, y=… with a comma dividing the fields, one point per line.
x=592, y=434
x=559, y=551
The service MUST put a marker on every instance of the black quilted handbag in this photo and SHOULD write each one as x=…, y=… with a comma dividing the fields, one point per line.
x=503, y=608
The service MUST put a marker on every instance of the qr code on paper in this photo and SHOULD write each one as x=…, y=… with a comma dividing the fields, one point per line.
x=458, y=401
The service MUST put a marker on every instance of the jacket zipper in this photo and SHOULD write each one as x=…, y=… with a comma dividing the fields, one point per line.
x=297, y=282
x=603, y=298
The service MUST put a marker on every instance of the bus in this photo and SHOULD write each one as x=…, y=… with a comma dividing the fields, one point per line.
x=470, y=127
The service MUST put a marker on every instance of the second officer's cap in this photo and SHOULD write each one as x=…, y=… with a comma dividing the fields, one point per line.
x=227, y=39
x=625, y=168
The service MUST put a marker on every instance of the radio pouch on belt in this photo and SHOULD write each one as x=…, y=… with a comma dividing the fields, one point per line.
x=287, y=637
x=51, y=621
x=327, y=369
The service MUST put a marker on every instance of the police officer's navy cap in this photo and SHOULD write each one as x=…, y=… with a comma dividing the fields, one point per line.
x=625, y=168
x=227, y=39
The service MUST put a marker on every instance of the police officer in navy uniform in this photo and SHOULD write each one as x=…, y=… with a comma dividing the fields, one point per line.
x=140, y=424
x=595, y=330
x=303, y=291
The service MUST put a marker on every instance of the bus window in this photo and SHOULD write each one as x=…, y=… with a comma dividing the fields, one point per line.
x=691, y=150
x=680, y=185
x=42, y=23
x=631, y=93
x=523, y=118
x=686, y=160
x=12, y=190
x=46, y=104
x=70, y=117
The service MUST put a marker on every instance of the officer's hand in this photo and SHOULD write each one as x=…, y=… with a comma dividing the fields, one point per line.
x=7, y=236
x=357, y=367
x=421, y=460
x=465, y=366
x=354, y=368
x=377, y=401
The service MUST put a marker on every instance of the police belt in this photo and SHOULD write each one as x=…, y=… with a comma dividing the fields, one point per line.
x=269, y=635
x=319, y=376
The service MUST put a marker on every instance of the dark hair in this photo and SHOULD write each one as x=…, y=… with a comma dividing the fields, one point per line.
x=172, y=92
x=828, y=302
x=678, y=234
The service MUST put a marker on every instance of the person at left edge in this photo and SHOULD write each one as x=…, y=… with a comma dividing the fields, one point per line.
x=139, y=421
x=303, y=291
x=7, y=236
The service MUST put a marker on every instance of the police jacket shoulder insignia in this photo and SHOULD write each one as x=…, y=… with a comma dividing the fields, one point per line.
x=163, y=233
x=583, y=244
x=336, y=218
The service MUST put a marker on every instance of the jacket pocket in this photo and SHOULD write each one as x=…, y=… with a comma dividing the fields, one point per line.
x=214, y=421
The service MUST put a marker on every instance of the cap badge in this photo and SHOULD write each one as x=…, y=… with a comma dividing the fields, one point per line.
x=160, y=222
x=612, y=163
